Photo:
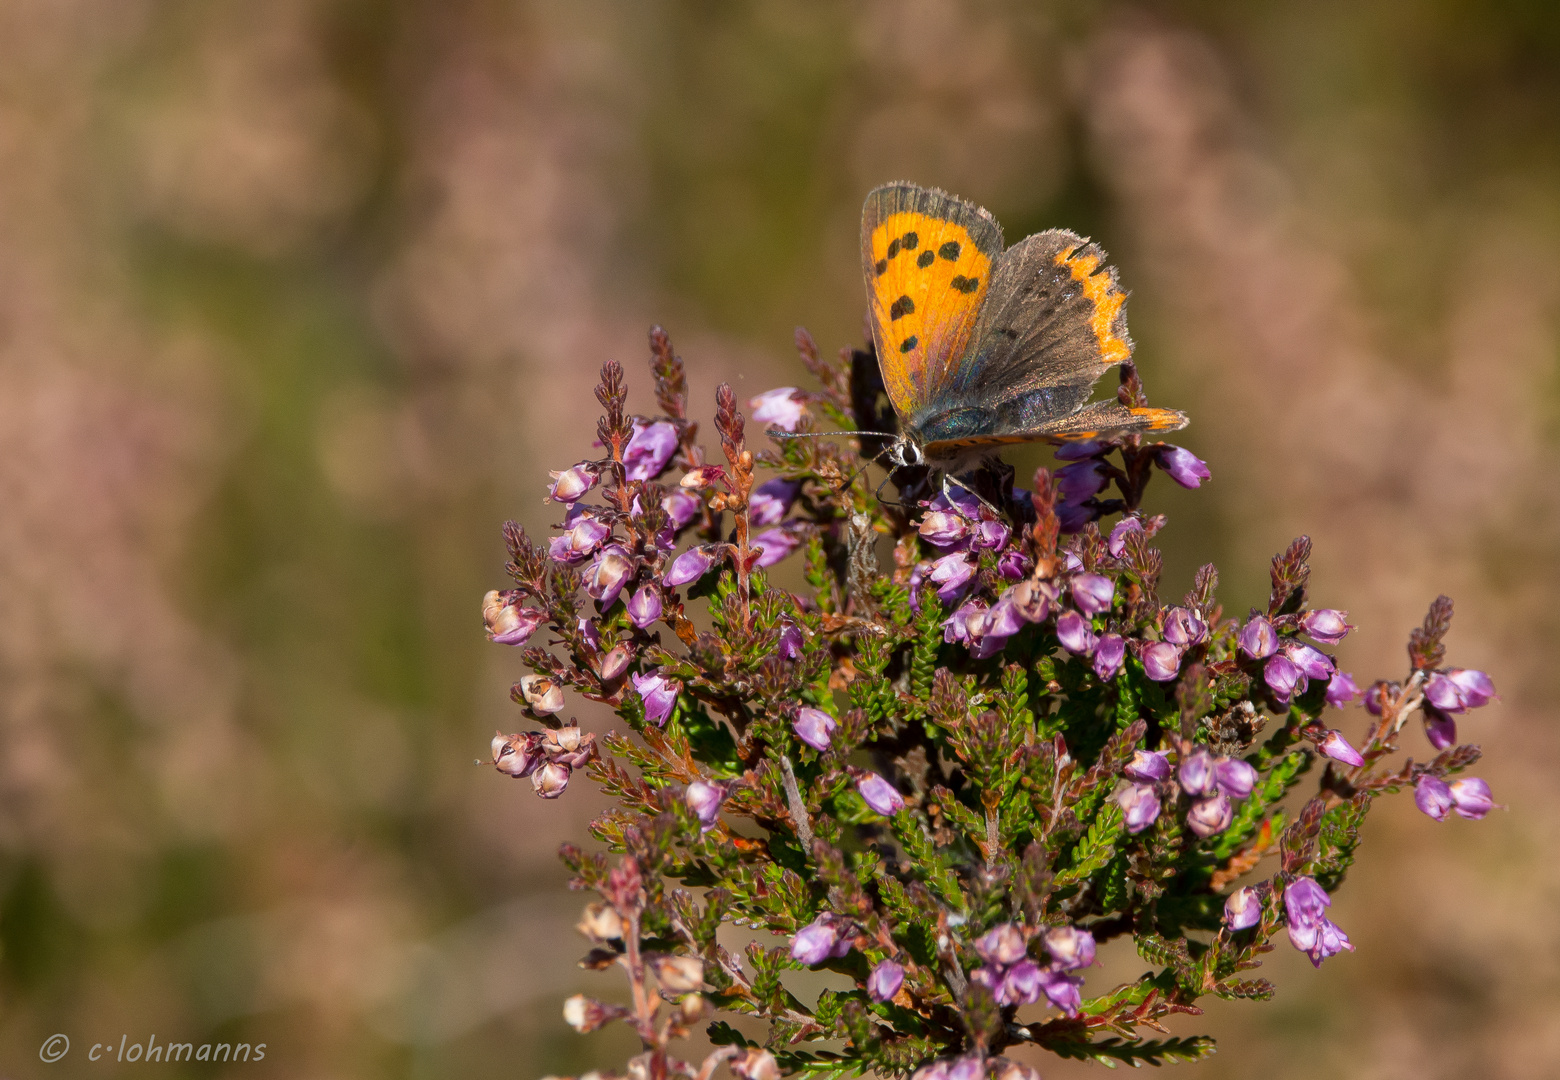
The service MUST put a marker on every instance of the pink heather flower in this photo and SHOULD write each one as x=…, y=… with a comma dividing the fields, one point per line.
x=659, y=695
x=814, y=727
x=1020, y=985
x=1013, y=564
x=1062, y=990
x=1117, y=544
x=605, y=578
x=1471, y=797
x=944, y=528
x=1433, y=796
x=776, y=545
x=644, y=607
x=1147, y=766
x=1182, y=466
x=956, y=627
x=1139, y=807
x=1327, y=940
x=1458, y=690
x=1440, y=728
x=1332, y=744
x=1243, y=909
x=879, y=794
x=1004, y=1069
x=651, y=447
x=884, y=982
x=1003, y=944
x=1210, y=815
x=1183, y=626
x=689, y=567
x=956, y=498
x=1070, y=947
x=1310, y=931
x=778, y=408
x=772, y=500
x=507, y=622
x=1258, y=639
x=951, y=574
x=1198, y=774
x=1341, y=689
x=986, y=630
x=582, y=535
x=1282, y=675
x=1161, y=660
x=991, y=534
x=1314, y=664
x=1305, y=902
x=1326, y=625
x=818, y=941
x=615, y=663
x=1234, y=777
x=789, y=646
x=681, y=507
x=704, y=799
x=550, y=780
x=589, y=632
x=572, y=484
x=1109, y=653
x=1093, y=593
x=1072, y=630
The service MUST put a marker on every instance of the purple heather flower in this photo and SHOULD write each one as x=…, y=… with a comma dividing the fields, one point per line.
x=944, y=528
x=772, y=500
x=1471, y=797
x=1182, y=466
x=1314, y=664
x=1072, y=630
x=789, y=646
x=1013, y=564
x=1004, y=1069
x=1258, y=639
x=1243, y=909
x=817, y=941
x=659, y=695
x=1210, y=815
x=681, y=507
x=776, y=545
x=688, y=567
x=605, y=577
x=1072, y=517
x=814, y=727
x=615, y=663
x=1319, y=942
x=969, y=1067
x=1070, y=947
x=1003, y=944
x=1440, y=728
x=1433, y=796
x=957, y=498
x=1021, y=985
x=644, y=607
x=1161, y=660
x=988, y=629
x=1305, y=902
x=1341, y=689
x=1326, y=625
x=1198, y=774
x=1235, y=778
x=951, y=574
x=1139, y=807
x=550, y=780
x=991, y=534
x=649, y=450
x=582, y=535
x=956, y=627
x=1117, y=544
x=1310, y=931
x=988, y=975
x=1183, y=626
x=1109, y=653
x=1458, y=690
x=1077, y=451
x=935, y=1070
x=778, y=407
x=1081, y=480
x=1062, y=990
x=879, y=794
x=507, y=622
x=1282, y=675
x=1332, y=744
x=1093, y=593
x=589, y=632
x=1147, y=766
x=704, y=800
x=1003, y=620
x=572, y=484
x=886, y=979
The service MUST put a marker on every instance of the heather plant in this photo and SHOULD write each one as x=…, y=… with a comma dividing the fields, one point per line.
x=947, y=780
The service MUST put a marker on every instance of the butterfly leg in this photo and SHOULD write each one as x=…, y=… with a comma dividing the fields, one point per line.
x=950, y=478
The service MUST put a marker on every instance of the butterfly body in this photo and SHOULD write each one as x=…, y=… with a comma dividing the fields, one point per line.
x=981, y=345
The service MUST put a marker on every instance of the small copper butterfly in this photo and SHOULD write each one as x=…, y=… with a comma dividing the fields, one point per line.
x=980, y=345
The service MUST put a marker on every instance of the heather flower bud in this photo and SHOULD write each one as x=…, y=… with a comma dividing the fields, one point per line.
x=1072, y=630
x=1458, y=690
x=778, y=407
x=1440, y=728
x=1198, y=774
x=1020, y=985
x=884, y=982
x=550, y=780
x=1433, y=796
x=507, y=622
x=1062, y=990
x=879, y=794
x=816, y=942
x=705, y=799
x=951, y=574
x=1258, y=639
x=1235, y=777
x=1117, y=544
x=1070, y=947
x=776, y=544
x=1332, y=744
x=1002, y=944
x=600, y=923
x=649, y=450
x=1161, y=661
x=1243, y=909
x=1282, y=676
x=1139, y=807
x=1313, y=664
x=690, y=566
x=615, y=663
x=756, y=1064
x=1182, y=466
x=606, y=576
x=1210, y=815
x=1326, y=625
x=1093, y=593
x=1110, y=651
x=814, y=727
x=1183, y=626
x=1341, y=689
x=1147, y=766
x=658, y=694
x=572, y=484
x=1471, y=797
x=542, y=694
x=644, y=607
x=771, y=500
x=678, y=974
x=582, y=535
x=944, y=528
x=585, y=1015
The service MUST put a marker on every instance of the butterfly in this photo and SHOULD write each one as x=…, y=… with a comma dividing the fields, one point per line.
x=981, y=345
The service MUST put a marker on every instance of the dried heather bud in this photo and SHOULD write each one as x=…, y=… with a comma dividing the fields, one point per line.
x=678, y=974
x=884, y=982
x=550, y=780
x=517, y=755
x=1243, y=909
x=705, y=476
x=1003, y=1069
x=756, y=1064
x=507, y=622
x=542, y=694
x=600, y=923
x=780, y=408
x=584, y=1014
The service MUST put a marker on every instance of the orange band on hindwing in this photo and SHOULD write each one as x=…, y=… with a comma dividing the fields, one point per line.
x=1107, y=298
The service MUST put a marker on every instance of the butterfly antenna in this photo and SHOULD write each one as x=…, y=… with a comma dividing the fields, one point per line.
x=776, y=433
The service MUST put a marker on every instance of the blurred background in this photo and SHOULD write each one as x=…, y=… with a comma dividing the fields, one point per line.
x=300, y=300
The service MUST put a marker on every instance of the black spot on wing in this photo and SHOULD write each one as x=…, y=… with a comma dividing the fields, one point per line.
x=910, y=342
x=902, y=307
x=908, y=241
x=925, y=259
x=950, y=250
x=881, y=267
x=965, y=284
x=893, y=248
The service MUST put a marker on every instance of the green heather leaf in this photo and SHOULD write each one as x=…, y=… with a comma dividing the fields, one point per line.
x=1113, y=1052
